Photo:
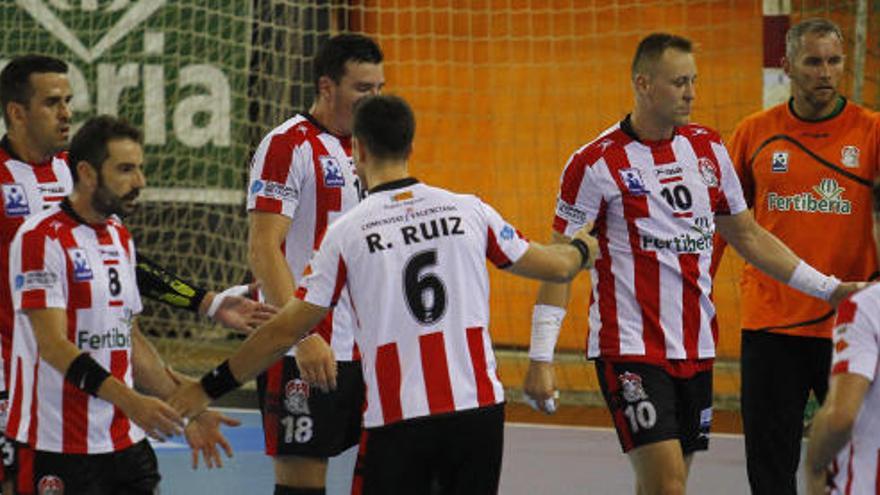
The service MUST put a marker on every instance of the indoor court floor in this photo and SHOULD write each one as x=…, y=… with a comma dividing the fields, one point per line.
x=546, y=460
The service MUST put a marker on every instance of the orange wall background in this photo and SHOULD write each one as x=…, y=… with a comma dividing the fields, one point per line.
x=505, y=90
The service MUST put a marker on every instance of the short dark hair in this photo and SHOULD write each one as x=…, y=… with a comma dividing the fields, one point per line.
x=89, y=144
x=815, y=25
x=386, y=126
x=652, y=47
x=15, y=80
x=335, y=52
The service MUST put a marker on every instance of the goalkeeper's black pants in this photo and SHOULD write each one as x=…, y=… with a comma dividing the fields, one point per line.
x=778, y=373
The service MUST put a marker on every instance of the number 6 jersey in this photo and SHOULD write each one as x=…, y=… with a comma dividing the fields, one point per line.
x=413, y=259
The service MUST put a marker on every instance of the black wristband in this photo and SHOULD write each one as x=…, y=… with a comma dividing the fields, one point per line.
x=584, y=250
x=86, y=374
x=219, y=381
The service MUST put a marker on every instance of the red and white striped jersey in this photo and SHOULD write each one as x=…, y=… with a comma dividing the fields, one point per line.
x=89, y=271
x=856, y=349
x=654, y=207
x=25, y=189
x=413, y=259
x=302, y=171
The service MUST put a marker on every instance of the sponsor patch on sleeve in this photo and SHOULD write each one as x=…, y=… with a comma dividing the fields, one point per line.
x=36, y=279
x=570, y=213
x=273, y=190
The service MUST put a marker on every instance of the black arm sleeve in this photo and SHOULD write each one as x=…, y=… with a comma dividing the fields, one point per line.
x=161, y=285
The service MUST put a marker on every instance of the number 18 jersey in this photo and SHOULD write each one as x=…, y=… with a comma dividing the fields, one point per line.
x=304, y=172
x=413, y=259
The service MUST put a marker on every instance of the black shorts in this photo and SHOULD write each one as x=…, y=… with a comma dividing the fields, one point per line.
x=303, y=421
x=8, y=446
x=7, y=453
x=453, y=454
x=648, y=405
x=17, y=464
x=132, y=471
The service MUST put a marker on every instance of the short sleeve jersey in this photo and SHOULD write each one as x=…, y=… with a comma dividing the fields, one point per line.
x=87, y=270
x=810, y=185
x=304, y=172
x=413, y=259
x=856, y=349
x=25, y=189
x=653, y=206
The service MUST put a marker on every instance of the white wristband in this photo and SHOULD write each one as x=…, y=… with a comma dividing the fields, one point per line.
x=546, y=322
x=235, y=290
x=812, y=282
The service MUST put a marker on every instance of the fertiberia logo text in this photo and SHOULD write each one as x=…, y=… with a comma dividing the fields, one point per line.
x=828, y=198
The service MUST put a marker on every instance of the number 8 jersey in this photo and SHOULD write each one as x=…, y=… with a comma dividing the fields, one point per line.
x=413, y=259
x=58, y=261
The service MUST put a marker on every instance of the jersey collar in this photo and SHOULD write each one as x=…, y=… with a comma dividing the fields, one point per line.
x=838, y=109
x=311, y=118
x=66, y=207
x=6, y=146
x=627, y=128
x=395, y=184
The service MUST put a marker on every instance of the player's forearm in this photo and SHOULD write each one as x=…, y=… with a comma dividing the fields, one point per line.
x=275, y=338
x=159, y=284
x=557, y=263
x=556, y=294
x=270, y=269
x=758, y=246
x=551, y=294
x=828, y=434
x=117, y=393
x=768, y=254
x=149, y=371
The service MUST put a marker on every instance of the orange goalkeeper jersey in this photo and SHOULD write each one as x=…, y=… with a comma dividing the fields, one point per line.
x=810, y=184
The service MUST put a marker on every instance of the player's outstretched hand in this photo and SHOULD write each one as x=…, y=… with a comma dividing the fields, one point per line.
x=845, y=289
x=189, y=399
x=539, y=387
x=584, y=234
x=158, y=419
x=316, y=362
x=203, y=436
x=233, y=310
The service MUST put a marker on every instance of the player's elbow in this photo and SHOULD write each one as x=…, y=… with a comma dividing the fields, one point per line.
x=566, y=272
x=840, y=418
x=563, y=271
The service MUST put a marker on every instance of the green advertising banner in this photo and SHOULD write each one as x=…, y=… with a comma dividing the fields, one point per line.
x=177, y=70
x=204, y=80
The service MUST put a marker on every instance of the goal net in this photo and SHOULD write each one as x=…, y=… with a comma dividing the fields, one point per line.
x=504, y=91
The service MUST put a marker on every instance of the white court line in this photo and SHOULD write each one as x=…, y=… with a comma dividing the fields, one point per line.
x=594, y=428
